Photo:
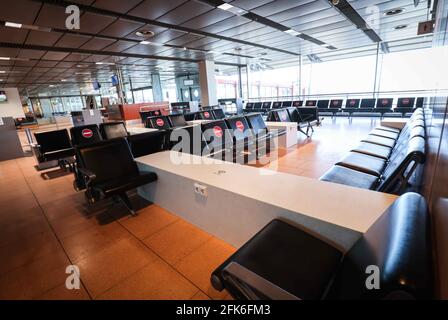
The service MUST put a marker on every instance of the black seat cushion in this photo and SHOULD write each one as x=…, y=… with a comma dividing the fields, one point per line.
x=349, y=177
x=373, y=150
x=364, y=163
x=289, y=258
x=385, y=134
x=398, y=243
x=380, y=141
x=390, y=129
x=124, y=184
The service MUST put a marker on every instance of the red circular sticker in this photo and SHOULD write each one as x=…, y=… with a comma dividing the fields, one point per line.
x=207, y=115
x=239, y=126
x=352, y=102
x=87, y=133
x=160, y=122
x=218, y=131
x=335, y=103
x=157, y=113
x=284, y=117
x=405, y=101
x=385, y=101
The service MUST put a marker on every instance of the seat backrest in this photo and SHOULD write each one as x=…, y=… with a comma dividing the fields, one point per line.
x=307, y=114
x=145, y=115
x=323, y=104
x=177, y=120
x=218, y=113
x=286, y=104
x=281, y=115
x=204, y=115
x=188, y=139
x=240, y=128
x=368, y=103
x=108, y=160
x=148, y=143
x=405, y=102
x=419, y=102
x=297, y=103
x=293, y=114
x=352, y=103
x=266, y=105
x=384, y=103
x=336, y=103
x=217, y=135
x=85, y=134
x=53, y=140
x=311, y=103
x=249, y=105
x=276, y=105
x=161, y=123
x=112, y=130
x=256, y=123
x=397, y=245
x=258, y=105
x=402, y=164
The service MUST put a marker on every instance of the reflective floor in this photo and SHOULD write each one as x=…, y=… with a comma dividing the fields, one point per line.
x=45, y=226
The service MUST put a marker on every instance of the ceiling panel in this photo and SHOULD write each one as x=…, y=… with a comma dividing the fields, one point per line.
x=180, y=41
x=72, y=41
x=51, y=16
x=185, y=12
x=121, y=28
x=249, y=4
x=116, y=5
x=97, y=44
x=94, y=23
x=20, y=11
x=120, y=46
x=43, y=38
x=12, y=35
x=152, y=9
x=207, y=19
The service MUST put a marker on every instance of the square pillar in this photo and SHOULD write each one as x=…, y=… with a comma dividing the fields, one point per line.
x=207, y=82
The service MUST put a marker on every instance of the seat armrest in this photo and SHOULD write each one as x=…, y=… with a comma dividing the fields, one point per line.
x=89, y=176
x=249, y=283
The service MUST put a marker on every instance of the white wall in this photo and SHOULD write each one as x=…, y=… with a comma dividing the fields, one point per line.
x=12, y=107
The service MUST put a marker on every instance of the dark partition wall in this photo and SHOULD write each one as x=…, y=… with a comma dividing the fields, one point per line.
x=436, y=169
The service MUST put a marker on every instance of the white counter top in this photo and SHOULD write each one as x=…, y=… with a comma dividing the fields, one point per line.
x=345, y=206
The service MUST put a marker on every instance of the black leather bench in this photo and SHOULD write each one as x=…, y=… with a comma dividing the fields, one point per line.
x=376, y=166
x=84, y=135
x=283, y=262
x=54, y=146
x=109, y=171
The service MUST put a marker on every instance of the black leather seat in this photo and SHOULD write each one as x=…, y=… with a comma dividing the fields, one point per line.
x=350, y=177
x=218, y=114
x=204, y=115
x=160, y=123
x=363, y=163
x=218, y=139
x=177, y=120
x=189, y=140
x=390, y=129
x=87, y=134
x=148, y=143
x=385, y=134
x=112, y=130
x=283, y=262
x=373, y=150
x=381, y=141
x=109, y=170
x=53, y=145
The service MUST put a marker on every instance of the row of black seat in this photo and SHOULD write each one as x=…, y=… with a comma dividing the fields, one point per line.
x=385, y=160
x=179, y=119
x=283, y=262
x=305, y=117
x=352, y=107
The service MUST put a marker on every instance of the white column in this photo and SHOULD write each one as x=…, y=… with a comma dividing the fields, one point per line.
x=207, y=81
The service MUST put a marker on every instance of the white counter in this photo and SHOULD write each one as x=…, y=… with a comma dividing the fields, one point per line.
x=397, y=123
x=243, y=199
x=136, y=130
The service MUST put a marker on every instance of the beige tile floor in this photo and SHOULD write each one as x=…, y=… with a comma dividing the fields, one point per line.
x=45, y=226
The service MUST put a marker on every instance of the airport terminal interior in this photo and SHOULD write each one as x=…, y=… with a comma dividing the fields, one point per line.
x=223, y=150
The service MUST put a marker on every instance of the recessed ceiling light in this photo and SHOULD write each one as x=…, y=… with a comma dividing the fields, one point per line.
x=145, y=33
x=13, y=25
x=394, y=12
x=293, y=32
x=5, y=58
x=225, y=6
x=1, y=71
x=401, y=26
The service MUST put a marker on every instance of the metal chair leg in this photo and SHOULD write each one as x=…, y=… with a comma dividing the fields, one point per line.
x=125, y=199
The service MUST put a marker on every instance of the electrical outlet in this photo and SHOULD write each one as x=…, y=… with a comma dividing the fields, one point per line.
x=200, y=189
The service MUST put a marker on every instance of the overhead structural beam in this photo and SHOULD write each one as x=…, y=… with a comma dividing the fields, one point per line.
x=351, y=14
x=86, y=8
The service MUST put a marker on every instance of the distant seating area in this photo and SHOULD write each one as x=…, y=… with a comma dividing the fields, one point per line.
x=385, y=160
x=367, y=107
